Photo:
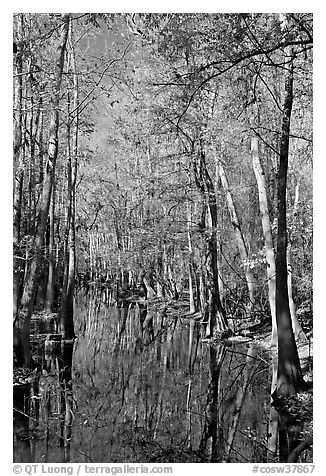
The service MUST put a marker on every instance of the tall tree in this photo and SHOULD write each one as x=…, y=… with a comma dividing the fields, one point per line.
x=267, y=232
x=17, y=149
x=214, y=314
x=289, y=373
x=22, y=322
x=242, y=246
x=66, y=310
x=297, y=329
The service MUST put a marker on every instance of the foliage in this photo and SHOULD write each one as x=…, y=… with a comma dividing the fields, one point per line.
x=151, y=87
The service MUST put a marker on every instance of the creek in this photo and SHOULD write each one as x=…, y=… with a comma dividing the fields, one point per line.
x=139, y=384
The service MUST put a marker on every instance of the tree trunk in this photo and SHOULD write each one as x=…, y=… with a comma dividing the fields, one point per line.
x=150, y=291
x=297, y=329
x=242, y=247
x=49, y=299
x=18, y=167
x=267, y=232
x=22, y=323
x=217, y=322
x=17, y=267
x=289, y=374
x=67, y=304
x=192, y=307
x=273, y=421
x=159, y=288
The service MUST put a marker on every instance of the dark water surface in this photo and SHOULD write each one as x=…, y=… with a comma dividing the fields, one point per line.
x=144, y=387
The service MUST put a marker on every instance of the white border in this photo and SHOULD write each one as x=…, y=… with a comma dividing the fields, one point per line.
x=319, y=197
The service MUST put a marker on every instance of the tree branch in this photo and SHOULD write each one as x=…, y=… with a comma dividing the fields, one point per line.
x=236, y=62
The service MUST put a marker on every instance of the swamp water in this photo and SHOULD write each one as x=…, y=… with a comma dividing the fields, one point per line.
x=140, y=385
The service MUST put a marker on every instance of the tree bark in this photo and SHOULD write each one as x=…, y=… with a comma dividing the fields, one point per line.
x=49, y=299
x=217, y=322
x=289, y=373
x=150, y=291
x=273, y=421
x=192, y=307
x=67, y=304
x=267, y=232
x=18, y=166
x=22, y=322
x=297, y=329
x=242, y=247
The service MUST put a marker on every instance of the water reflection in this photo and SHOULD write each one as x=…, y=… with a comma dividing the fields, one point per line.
x=212, y=440
x=144, y=387
x=151, y=390
x=22, y=397
x=43, y=408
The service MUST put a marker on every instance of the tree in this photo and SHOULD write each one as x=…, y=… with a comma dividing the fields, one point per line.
x=214, y=313
x=243, y=249
x=297, y=329
x=66, y=309
x=289, y=373
x=267, y=231
x=18, y=162
x=22, y=321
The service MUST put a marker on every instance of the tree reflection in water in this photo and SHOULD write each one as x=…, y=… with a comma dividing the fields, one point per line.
x=43, y=409
x=144, y=387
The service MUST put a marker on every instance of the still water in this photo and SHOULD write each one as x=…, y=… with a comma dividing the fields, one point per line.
x=143, y=386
